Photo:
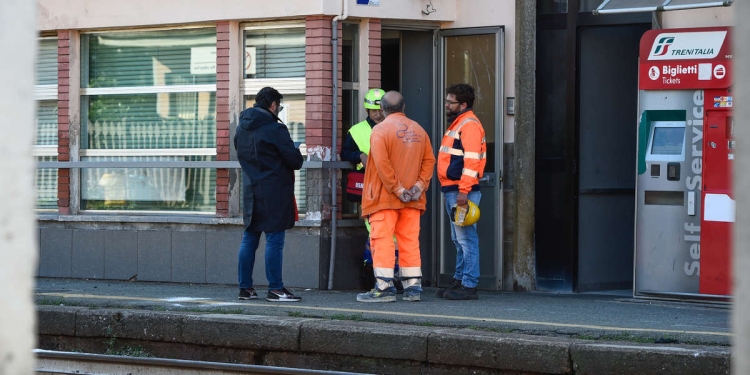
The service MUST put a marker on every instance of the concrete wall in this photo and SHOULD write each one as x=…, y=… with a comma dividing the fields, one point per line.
x=123, y=248
x=17, y=253
x=705, y=17
x=169, y=252
x=85, y=14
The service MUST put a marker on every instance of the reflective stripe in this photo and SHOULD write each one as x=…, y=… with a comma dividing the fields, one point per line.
x=470, y=172
x=383, y=272
x=451, y=150
x=375, y=102
x=410, y=271
x=453, y=134
x=474, y=155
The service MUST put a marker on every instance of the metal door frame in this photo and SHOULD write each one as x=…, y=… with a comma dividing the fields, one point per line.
x=499, y=32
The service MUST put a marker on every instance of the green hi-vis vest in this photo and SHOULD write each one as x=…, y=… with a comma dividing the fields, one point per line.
x=361, y=134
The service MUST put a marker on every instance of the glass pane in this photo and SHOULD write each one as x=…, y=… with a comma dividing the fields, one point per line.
x=148, y=121
x=668, y=141
x=278, y=53
x=553, y=6
x=350, y=53
x=46, y=62
x=46, y=185
x=149, y=189
x=293, y=115
x=471, y=59
x=46, y=123
x=152, y=58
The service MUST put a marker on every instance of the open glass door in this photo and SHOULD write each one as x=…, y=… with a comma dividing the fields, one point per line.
x=475, y=57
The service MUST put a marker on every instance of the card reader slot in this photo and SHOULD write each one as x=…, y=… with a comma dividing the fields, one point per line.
x=665, y=198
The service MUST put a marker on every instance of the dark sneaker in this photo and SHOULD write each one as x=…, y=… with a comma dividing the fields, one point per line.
x=412, y=294
x=248, y=294
x=377, y=295
x=461, y=293
x=441, y=291
x=282, y=295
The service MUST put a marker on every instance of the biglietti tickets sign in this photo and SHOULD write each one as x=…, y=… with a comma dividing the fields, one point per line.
x=680, y=59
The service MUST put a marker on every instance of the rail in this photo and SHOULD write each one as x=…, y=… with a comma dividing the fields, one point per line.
x=53, y=362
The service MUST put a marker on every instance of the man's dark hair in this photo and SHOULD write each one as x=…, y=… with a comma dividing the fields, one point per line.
x=464, y=93
x=266, y=96
x=388, y=107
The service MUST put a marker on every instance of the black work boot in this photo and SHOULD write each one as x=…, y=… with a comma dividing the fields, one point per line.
x=461, y=293
x=441, y=291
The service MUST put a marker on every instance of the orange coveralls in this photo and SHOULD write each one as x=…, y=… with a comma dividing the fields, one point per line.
x=401, y=157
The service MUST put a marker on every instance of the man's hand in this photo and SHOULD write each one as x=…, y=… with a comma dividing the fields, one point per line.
x=462, y=199
x=415, y=192
x=405, y=196
x=363, y=159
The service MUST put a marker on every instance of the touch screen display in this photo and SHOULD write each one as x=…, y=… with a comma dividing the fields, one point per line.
x=668, y=141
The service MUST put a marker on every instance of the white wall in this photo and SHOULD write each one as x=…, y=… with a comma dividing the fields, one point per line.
x=92, y=14
x=18, y=249
x=705, y=17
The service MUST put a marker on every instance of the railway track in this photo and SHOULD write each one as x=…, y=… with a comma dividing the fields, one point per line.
x=57, y=363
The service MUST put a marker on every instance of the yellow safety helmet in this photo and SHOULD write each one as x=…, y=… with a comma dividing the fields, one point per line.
x=465, y=216
x=372, y=98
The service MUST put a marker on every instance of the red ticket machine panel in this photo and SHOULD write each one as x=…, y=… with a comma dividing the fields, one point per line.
x=718, y=199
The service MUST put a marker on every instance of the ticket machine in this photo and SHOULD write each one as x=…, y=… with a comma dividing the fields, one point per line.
x=685, y=205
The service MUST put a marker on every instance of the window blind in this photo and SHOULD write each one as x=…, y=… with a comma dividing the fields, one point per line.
x=46, y=62
x=149, y=58
x=278, y=53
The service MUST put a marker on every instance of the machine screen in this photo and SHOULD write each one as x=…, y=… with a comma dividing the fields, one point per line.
x=668, y=141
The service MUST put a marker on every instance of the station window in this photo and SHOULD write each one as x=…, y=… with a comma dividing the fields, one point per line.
x=275, y=57
x=45, y=137
x=148, y=96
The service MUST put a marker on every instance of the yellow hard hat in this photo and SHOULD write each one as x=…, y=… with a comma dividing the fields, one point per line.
x=465, y=216
x=373, y=97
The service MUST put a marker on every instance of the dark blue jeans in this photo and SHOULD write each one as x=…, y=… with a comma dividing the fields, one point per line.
x=274, y=258
x=467, y=243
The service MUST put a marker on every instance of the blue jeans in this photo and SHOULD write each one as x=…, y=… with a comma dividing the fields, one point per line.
x=274, y=258
x=467, y=243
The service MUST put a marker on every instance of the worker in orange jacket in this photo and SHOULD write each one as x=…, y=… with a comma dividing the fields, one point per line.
x=461, y=160
x=398, y=173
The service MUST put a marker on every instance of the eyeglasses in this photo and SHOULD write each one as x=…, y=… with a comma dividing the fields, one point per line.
x=281, y=108
x=450, y=102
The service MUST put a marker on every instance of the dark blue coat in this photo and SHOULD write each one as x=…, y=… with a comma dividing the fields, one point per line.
x=268, y=159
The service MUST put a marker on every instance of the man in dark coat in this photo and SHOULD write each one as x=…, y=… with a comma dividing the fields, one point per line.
x=268, y=158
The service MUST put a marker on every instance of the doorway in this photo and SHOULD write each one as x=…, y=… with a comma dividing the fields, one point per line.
x=408, y=66
x=475, y=57
x=586, y=126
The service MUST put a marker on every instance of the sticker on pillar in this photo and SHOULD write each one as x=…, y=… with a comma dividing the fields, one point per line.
x=368, y=2
x=722, y=102
x=719, y=207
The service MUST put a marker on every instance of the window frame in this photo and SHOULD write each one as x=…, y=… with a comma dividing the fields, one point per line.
x=88, y=92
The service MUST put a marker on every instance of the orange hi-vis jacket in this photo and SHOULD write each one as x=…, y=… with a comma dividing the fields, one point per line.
x=400, y=158
x=462, y=155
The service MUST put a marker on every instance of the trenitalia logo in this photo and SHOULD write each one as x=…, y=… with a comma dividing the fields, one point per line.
x=663, y=46
x=687, y=46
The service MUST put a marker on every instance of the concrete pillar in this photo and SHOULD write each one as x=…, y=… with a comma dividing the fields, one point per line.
x=523, y=259
x=741, y=260
x=18, y=250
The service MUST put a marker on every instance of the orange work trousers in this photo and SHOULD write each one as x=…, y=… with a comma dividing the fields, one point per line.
x=404, y=224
